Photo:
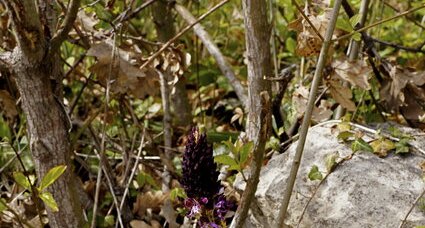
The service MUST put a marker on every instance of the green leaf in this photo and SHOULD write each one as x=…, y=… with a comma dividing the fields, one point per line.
x=344, y=24
x=225, y=159
x=5, y=133
x=345, y=135
x=357, y=36
x=244, y=152
x=402, y=146
x=3, y=204
x=22, y=180
x=330, y=162
x=382, y=146
x=145, y=178
x=109, y=221
x=229, y=144
x=176, y=193
x=355, y=19
x=290, y=45
x=49, y=200
x=360, y=144
x=314, y=173
x=52, y=176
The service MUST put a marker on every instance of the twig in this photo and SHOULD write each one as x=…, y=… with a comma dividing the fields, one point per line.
x=411, y=209
x=75, y=101
x=125, y=17
x=183, y=31
x=258, y=155
x=380, y=22
x=12, y=159
x=320, y=184
x=308, y=114
x=408, y=18
x=96, y=197
x=397, y=46
x=133, y=171
x=224, y=66
x=65, y=27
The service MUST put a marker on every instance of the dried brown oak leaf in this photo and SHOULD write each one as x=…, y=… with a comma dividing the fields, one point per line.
x=300, y=97
x=308, y=41
x=123, y=75
x=355, y=72
x=341, y=94
x=153, y=200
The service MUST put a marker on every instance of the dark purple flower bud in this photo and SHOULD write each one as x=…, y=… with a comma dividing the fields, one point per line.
x=200, y=175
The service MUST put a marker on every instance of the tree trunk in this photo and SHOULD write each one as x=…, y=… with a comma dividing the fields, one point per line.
x=48, y=134
x=257, y=34
x=34, y=63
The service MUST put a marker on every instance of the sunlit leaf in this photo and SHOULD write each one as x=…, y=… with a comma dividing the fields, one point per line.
x=22, y=180
x=382, y=146
x=52, y=176
x=225, y=159
x=49, y=200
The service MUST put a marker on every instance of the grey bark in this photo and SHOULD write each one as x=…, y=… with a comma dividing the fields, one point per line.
x=257, y=35
x=38, y=77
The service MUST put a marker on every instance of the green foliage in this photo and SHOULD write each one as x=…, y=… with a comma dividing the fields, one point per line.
x=237, y=156
x=22, y=180
x=145, y=178
x=49, y=200
x=360, y=144
x=51, y=177
x=3, y=205
x=315, y=174
x=177, y=193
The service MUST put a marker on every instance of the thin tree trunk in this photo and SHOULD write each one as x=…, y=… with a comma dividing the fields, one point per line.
x=35, y=65
x=257, y=36
x=48, y=133
x=164, y=24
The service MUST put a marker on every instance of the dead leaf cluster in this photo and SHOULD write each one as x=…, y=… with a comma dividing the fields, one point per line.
x=403, y=90
x=309, y=42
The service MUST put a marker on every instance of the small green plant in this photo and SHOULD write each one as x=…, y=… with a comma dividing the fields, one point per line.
x=40, y=191
x=237, y=159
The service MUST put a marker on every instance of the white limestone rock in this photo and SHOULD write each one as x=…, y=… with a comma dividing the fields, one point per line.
x=364, y=191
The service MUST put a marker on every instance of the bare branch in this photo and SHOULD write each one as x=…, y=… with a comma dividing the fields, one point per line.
x=215, y=52
x=66, y=26
x=400, y=47
x=307, y=116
